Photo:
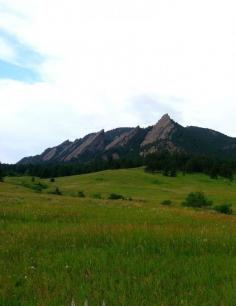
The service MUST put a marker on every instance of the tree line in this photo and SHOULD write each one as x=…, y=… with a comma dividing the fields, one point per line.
x=165, y=162
x=50, y=170
x=171, y=163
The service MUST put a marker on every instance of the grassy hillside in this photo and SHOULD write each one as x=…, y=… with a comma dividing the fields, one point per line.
x=136, y=183
x=57, y=248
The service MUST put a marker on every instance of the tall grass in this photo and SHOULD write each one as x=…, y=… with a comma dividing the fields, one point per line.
x=55, y=249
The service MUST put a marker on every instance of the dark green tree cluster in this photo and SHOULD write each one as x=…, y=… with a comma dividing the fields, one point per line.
x=52, y=170
x=196, y=199
x=165, y=162
x=169, y=163
x=1, y=173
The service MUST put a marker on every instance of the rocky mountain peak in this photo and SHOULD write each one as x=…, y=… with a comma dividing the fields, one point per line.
x=165, y=119
x=121, y=142
x=160, y=131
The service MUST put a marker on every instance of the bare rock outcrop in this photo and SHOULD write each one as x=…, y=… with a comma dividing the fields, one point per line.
x=55, y=152
x=123, y=139
x=127, y=142
x=160, y=131
x=92, y=143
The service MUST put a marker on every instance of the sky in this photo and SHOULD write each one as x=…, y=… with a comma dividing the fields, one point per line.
x=71, y=67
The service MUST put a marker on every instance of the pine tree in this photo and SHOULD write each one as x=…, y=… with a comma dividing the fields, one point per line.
x=214, y=172
x=1, y=173
x=173, y=172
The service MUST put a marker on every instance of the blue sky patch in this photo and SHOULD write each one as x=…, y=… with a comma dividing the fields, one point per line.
x=26, y=63
x=18, y=73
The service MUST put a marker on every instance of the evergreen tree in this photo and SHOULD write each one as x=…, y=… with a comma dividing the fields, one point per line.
x=214, y=172
x=173, y=172
x=226, y=172
x=1, y=173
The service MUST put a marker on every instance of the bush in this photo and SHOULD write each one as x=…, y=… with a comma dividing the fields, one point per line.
x=52, y=180
x=39, y=187
x=1, y=179
x=166, y=202
x=196, y=199
x=56, y=191
x=97, y=196
x=115, y=196
x=156, y=182
x=81, y=194
x=224, y=209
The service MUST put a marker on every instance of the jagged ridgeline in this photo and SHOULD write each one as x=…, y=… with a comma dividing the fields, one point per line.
x=128, y=142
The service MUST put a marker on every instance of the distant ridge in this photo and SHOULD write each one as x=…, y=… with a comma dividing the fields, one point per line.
x=166, y=134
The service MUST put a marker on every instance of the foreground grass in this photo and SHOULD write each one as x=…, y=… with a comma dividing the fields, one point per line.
x=55, y=248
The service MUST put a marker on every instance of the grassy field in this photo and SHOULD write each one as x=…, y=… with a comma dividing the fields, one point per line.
x=125, y=252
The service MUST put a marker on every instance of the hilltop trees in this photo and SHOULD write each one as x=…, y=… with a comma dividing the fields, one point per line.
x=53, y=170
x=169, y=163
x=1, y=173
x=226, y=171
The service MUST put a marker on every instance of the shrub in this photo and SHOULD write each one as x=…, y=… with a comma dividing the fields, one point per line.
x=1, y=179
x=156, y=182
x=166, y=202
x=81, y=194
x=52, y=180
x=39, y=186
x=224, y=209
x=56, y=191
x=115, y=196
x=196, y=199
x=97, y=196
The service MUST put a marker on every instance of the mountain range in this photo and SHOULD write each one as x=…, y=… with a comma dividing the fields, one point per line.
x=166, y=134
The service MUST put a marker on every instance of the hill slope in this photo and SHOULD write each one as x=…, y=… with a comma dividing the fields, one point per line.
x=137, y=184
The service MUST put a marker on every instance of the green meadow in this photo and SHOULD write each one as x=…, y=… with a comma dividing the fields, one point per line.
x=59, y=248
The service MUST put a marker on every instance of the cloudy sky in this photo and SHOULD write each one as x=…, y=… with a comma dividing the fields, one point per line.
x=70, y=67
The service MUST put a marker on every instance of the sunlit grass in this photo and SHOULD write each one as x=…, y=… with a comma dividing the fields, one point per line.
x=57, y=248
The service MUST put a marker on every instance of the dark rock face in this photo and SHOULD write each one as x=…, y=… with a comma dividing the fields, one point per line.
x=166, y=134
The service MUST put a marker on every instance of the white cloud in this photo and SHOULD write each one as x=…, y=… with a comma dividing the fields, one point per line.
x=102, y=55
